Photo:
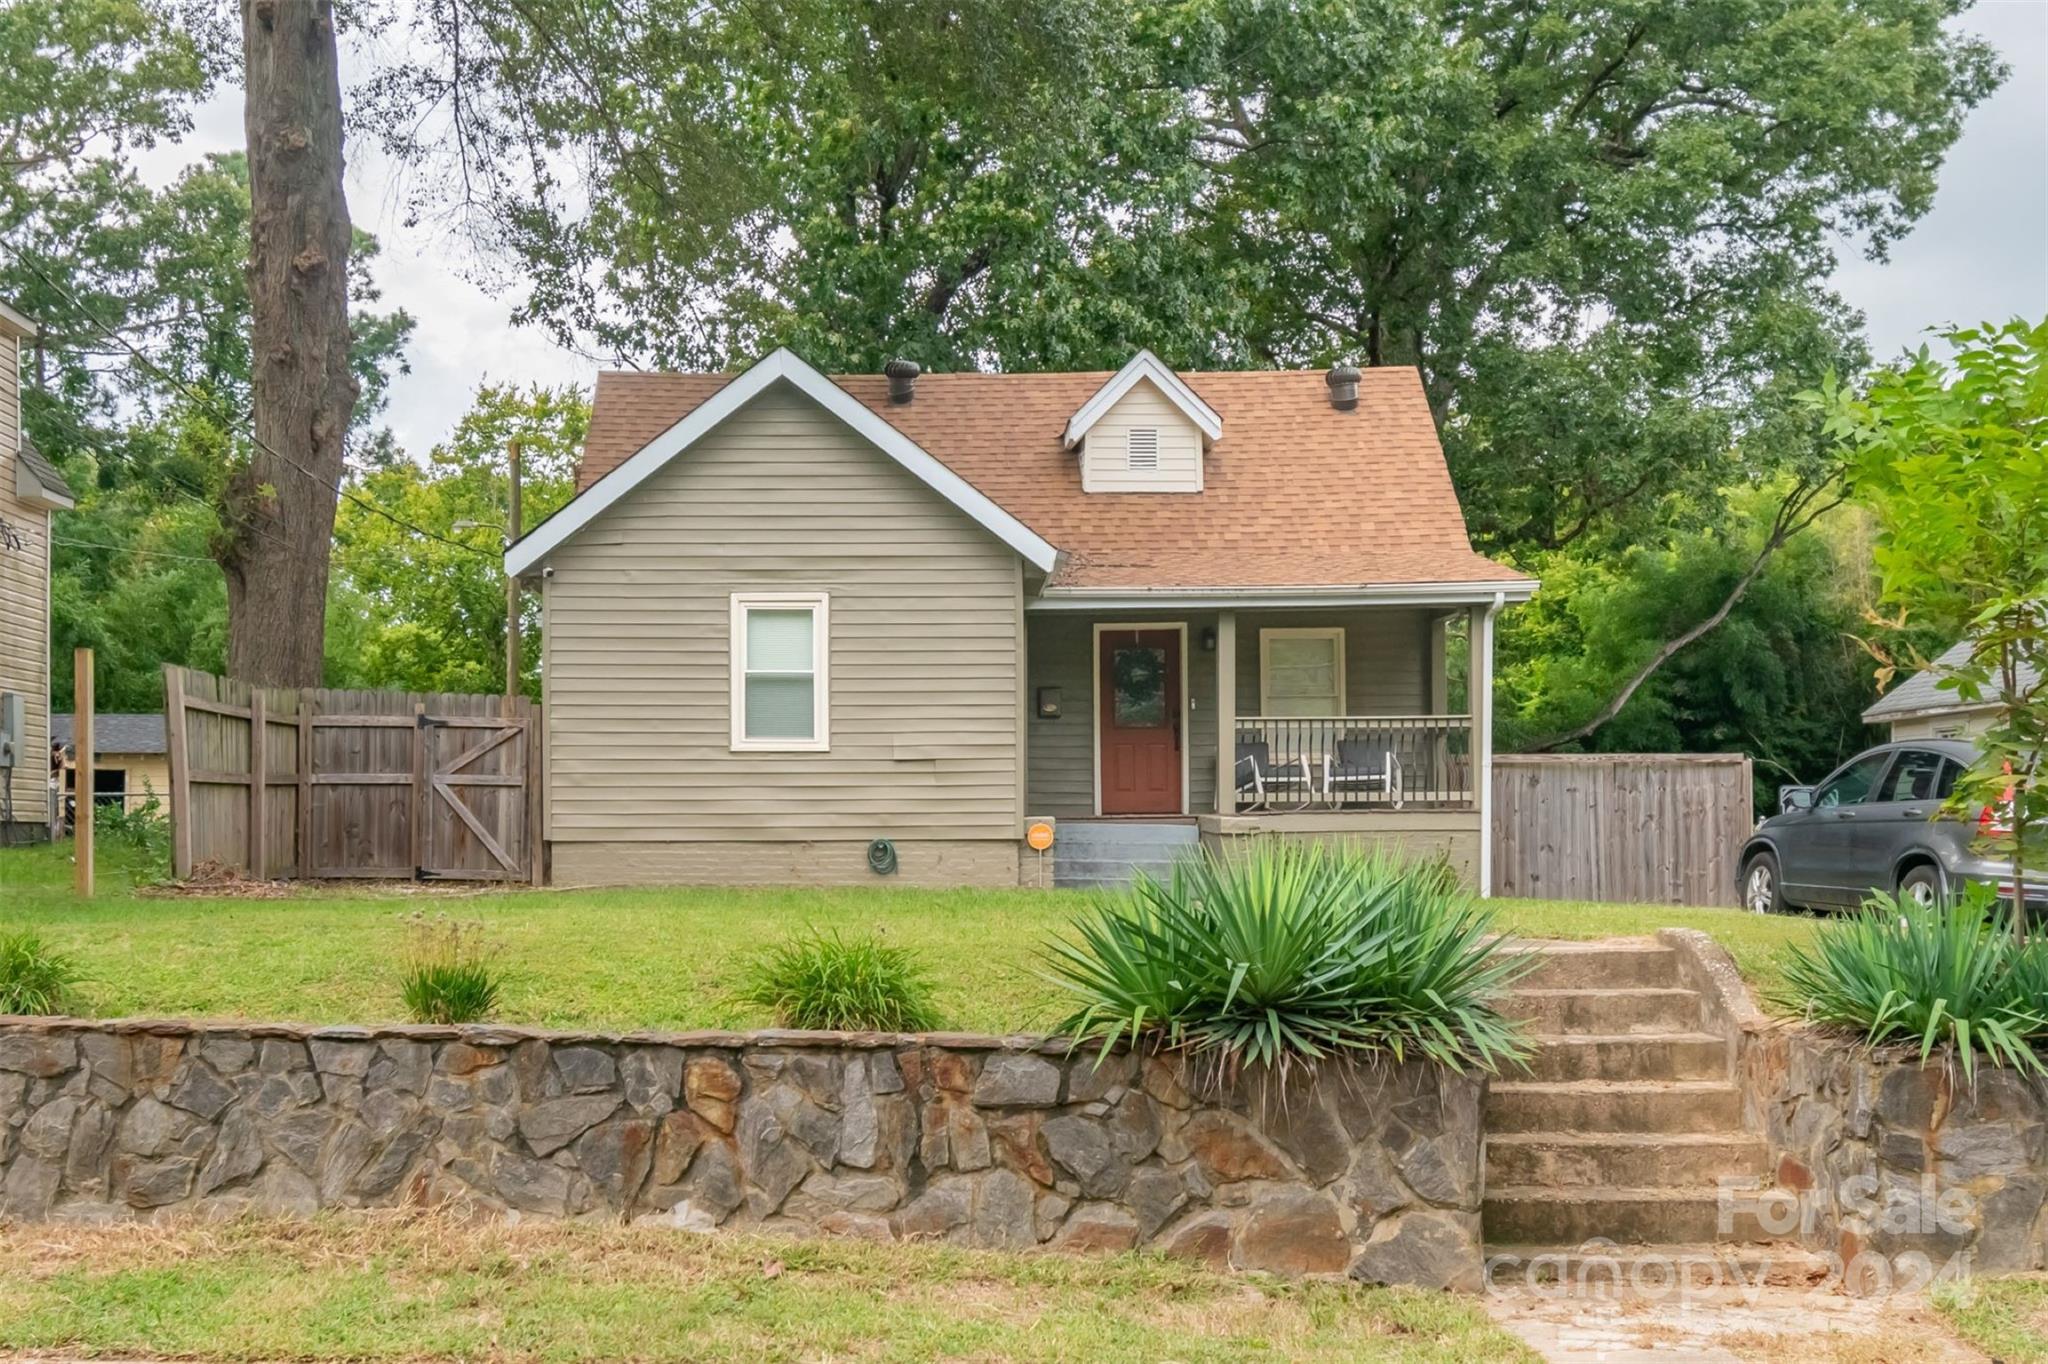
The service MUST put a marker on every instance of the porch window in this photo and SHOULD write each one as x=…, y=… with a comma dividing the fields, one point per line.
x=779, y=685
x=1301, y=671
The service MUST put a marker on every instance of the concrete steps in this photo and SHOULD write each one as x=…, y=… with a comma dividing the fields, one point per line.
x=1626, y=1134
x=1109, y=853
x=1651, y=1268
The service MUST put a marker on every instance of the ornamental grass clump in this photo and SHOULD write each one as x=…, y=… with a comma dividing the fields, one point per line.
x=841, y=984
x=447, y=975
x=1948, y=976
x=35, y=978
x=1287, y=954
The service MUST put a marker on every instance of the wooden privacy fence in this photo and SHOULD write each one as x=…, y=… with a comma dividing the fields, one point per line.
x=1649, y=828
x=277, y=781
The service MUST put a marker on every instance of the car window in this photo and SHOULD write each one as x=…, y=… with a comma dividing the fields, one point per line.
x=1946, y=787
x=1915, y=776
x=1851, y=786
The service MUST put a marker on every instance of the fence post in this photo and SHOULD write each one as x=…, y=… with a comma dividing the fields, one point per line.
x=181, y=771
x=82, y=769
x=418, y=823
x=259, y=861
x=304, y=821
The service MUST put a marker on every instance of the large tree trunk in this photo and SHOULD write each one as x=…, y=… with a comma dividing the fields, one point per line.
x=280, y=509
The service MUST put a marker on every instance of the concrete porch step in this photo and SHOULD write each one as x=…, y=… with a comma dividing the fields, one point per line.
x=1614, y=1106
x=1630, y=1056
x=1089, y=835
x=1655, y=1270
x=1532, y=1215
x=1607, y=1011
x=1100, y=872
x=1575, y=1160
x=1612, y=964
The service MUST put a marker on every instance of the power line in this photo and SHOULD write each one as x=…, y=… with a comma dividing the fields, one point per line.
x=230, y=419
x=125, y=549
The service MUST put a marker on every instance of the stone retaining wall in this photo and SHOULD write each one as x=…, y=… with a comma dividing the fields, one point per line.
x=999, y=1142
x=1879, y=1153
x=1874, y=1152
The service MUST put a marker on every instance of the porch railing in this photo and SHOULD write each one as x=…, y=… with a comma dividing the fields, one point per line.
x=1339, y=762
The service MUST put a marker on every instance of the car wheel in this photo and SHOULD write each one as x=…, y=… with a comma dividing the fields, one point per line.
x=1761, y=893
x=1921, y=886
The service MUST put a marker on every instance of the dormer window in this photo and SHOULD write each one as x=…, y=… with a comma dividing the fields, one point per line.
x=1145, y=431
x=1141, y=449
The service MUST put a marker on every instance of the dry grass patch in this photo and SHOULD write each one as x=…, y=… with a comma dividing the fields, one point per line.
x=420, y=1287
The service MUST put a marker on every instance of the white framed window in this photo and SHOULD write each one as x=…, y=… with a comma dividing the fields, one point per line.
x=780, y=687
x=1301, y=671
x=1141, y=447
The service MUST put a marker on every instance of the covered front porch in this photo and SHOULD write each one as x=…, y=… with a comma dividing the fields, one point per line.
x=1347, y=721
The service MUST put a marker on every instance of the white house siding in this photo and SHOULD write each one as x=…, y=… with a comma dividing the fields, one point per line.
x=1963, y=724
x=24, y=604
x=1105, y=462
x=924, y=660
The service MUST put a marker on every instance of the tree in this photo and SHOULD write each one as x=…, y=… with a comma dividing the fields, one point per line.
x=435, y=615
x=278, y=510
x=1951, y=454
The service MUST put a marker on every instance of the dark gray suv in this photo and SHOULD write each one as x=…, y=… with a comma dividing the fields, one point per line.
x=1873, y=825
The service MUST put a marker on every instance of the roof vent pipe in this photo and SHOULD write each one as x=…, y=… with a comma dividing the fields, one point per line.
x=1343, y=381
x=902, y=379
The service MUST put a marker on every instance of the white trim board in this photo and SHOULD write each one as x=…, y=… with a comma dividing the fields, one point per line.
x=1144, y=365
x=1236, y=598
x=781, y=365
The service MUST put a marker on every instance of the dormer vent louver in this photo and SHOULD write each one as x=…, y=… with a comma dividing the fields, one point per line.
x=1141, y=447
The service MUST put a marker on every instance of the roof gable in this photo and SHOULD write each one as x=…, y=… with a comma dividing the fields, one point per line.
x=1923, y=693
x=781, y=366
x=1142, y=367
x=37, y=482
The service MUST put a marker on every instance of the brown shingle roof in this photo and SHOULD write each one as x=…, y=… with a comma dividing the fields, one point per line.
x=1296, y=493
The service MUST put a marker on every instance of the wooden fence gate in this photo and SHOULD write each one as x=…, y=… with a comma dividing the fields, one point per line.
x=1646, y=828
x=283, y=782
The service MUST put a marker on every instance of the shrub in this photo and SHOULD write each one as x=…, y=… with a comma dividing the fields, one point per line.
x=841, y=984
x=143, y=829
x=447, y=976
x=35, y=978
x=1286, y=954
x=1947, y=975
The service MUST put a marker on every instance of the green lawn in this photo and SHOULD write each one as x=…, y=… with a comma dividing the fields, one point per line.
x=620, y=959
x=2005, y=1318
x=414, y=1288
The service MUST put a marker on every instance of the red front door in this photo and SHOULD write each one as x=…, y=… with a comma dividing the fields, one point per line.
x=1138, y=695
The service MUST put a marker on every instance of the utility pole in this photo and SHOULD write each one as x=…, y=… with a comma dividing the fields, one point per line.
x=512, y=533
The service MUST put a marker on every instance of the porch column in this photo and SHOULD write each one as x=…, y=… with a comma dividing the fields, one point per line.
x=1479, y=692
x=1226, y=712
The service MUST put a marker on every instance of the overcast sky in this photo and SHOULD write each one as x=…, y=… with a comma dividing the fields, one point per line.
x=1981, y=254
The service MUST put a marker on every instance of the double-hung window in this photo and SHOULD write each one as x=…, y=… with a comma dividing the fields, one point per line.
x=779, y=683
x=1301, y=672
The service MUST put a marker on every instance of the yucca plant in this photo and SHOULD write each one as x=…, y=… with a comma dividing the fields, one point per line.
x=447, y=975
x=841, y=984
x=1948, y=975
x=1286, y=954
x=35, y=978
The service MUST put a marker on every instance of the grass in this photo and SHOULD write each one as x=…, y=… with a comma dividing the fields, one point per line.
x=2005, y=1318
x=621, y=959
x=392, y=1287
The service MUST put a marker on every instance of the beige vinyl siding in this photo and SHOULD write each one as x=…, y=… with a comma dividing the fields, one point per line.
x=1966, y=724
x=143, y=775
x=1105, y=463
x=24, y=605
x=924, y=653
x=1062, y=751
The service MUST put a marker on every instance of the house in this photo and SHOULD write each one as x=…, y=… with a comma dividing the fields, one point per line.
x=798, y=626
x=1921, y=708
x=30, y=491
x=130, y=761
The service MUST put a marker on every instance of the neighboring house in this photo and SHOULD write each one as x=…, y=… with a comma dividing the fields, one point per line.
x=789, y=614
x=129, y=761
x=30, y=491
x=1921, y=708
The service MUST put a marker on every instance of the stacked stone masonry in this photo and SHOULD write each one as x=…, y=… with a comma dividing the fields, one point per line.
x=995, y=1142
